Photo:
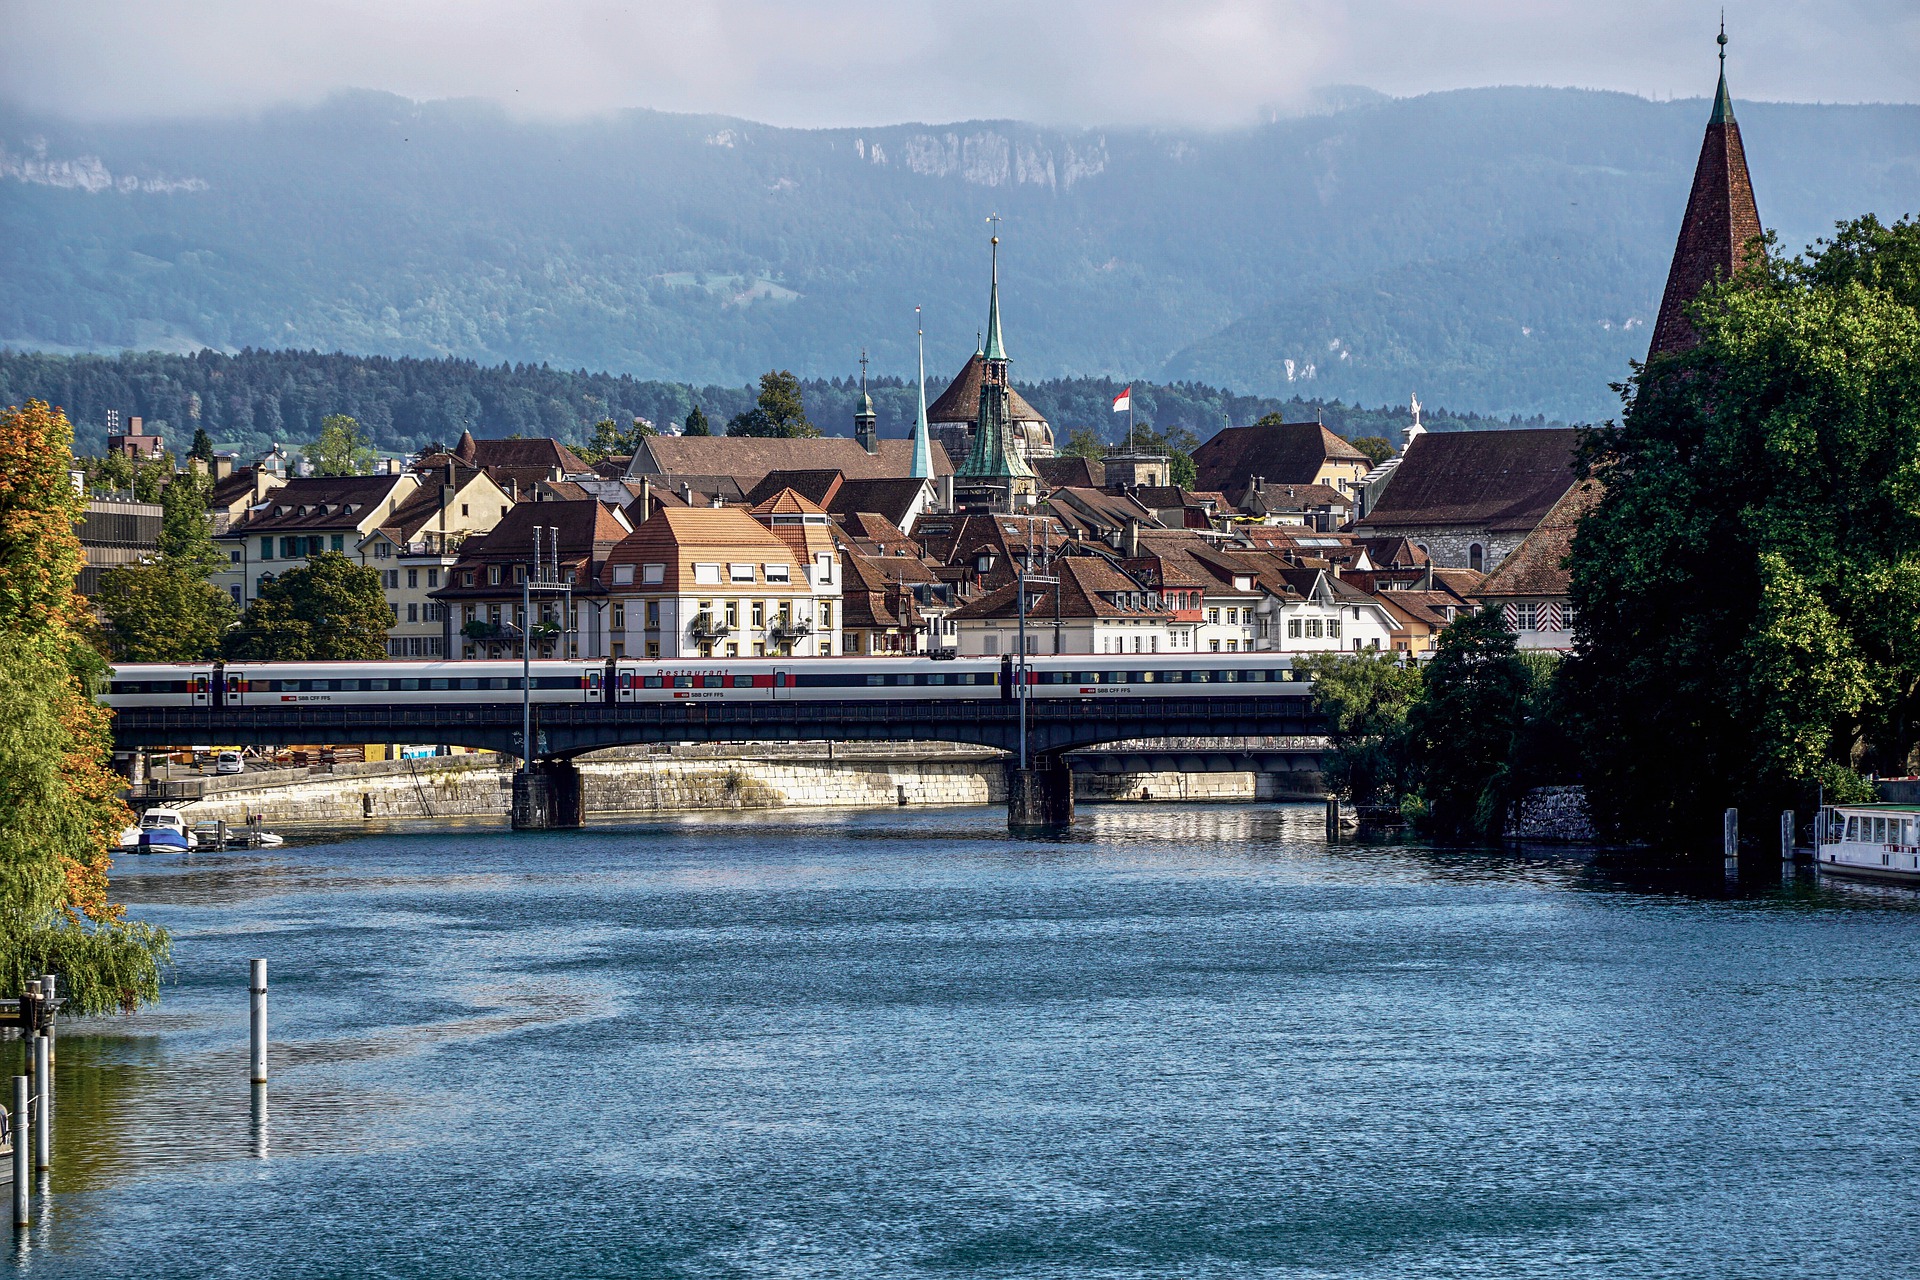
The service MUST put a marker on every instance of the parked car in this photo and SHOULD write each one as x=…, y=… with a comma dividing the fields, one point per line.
x=229, y=762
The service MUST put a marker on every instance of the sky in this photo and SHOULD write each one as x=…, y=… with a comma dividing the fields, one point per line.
x=1185, y=63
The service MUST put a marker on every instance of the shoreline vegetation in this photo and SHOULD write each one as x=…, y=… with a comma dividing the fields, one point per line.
x=60, y=806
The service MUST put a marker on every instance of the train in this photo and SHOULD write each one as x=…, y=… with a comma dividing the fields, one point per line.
x=379, y=683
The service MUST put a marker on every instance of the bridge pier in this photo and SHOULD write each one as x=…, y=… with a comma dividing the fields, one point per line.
x=1040, y=799
x=548, y=796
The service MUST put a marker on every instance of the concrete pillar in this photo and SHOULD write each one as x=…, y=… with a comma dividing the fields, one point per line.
x=549, y=796
x=1040, y=799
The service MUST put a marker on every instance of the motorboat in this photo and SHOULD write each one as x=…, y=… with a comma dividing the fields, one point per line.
x=160, y=831
x=1870, y=842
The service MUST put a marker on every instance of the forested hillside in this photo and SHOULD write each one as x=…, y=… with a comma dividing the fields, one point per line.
x=1495, y=249
x=253, y=400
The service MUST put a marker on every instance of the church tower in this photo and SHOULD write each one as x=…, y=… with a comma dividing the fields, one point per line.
x=922, y=468
x=866, y=423
x=1721, y=219
x=994, y=477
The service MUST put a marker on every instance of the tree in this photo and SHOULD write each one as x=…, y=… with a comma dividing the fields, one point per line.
x=1365, y=698
x=609, y=441
x=327, y=610
x=202, y=445
x=1747, y=585
x=1084, y=442
x=1377, y=448
x=779, y=410
x=162, y=613
x=60, y=807
x=113, y=473
x=150, y=479
x=696, y=424
x=1178, y=444
x=1474, y=697
x=343, y=449
x=186, y=536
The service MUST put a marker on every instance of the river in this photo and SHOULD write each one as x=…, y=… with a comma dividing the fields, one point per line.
x=1180, y=1041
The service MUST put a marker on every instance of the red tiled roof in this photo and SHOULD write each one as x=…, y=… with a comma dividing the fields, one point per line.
x=960, y=402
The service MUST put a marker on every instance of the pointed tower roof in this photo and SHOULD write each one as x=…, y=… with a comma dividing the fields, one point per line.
x=1721, y=219
x=922, y=465
x=995, y=349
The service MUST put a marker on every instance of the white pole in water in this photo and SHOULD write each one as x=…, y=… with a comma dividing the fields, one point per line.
x=1786, y=835
x=18, y=1125
x=43, y=1112
x=258, y=989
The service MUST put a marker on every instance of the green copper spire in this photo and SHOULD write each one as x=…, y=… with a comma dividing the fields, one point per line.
x=922, y=466
x=995, y=349
x=1722, y=101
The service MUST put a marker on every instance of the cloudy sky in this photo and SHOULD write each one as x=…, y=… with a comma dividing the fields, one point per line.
x=840, y=62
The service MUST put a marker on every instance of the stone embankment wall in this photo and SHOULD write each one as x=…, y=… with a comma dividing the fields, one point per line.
x=633, y=780
x=1552, y=814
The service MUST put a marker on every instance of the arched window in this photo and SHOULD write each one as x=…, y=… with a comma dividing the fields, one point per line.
x=1476, y=557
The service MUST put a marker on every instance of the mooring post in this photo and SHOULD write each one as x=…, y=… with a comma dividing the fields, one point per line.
x=1730, y=840
x=43, y=1113
x=1333, y=819
x=1786, y=835
x=258, y=989
x=19, y=1133
x=47, y=985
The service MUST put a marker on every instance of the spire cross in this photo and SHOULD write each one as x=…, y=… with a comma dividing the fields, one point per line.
x=863, y=365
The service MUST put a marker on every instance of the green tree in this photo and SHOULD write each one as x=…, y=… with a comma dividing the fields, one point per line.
x=1747, y=586
x=1377, y=448
x=1474, y=697
x=1366, y=698
x=343, y=449
x=1178, y=444
x=779, y=410
x=60, y=807
x=202, y=445
x=327, y=610
x=113, y=473
x=696, y=424
x=609, y=441
x=1084, y=442
x=162, y=613
x=186, y=534
x=150, y=479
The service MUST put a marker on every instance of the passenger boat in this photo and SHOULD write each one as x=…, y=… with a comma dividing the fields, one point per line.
x=1870, y=841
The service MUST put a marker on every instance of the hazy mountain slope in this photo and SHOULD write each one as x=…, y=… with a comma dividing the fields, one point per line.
x=705, y=250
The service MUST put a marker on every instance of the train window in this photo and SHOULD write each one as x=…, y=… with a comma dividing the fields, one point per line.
x=1173, y=677
x=320, y=686
x=501, y=682
x=1229, y=676
x=968, y=677
x=1146, y=677
x=876, y=680
x=653, y=682
x=1256, y=676
x=469, y=682
x=937, y=679
x=683, y=682
x=438, y=683
x=1198, y=677
x=410, y=684
x=378, y=684
x=712, y=682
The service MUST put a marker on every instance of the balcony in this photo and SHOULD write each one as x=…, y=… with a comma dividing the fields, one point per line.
x=705, y=626
x=786, y=630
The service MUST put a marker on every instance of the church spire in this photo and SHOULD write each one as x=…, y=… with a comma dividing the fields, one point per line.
x=1721, y=220
x=995, y=349
x=922, y=466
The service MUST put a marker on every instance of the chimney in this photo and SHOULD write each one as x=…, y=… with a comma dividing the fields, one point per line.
x=1130, y=539
x=686, y=493
x=133, y=427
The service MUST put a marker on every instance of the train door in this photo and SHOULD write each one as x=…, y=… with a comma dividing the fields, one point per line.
x=203, y=690
x=1006, y=678
x=595, y=678
x=624, y=684
x=780, y=687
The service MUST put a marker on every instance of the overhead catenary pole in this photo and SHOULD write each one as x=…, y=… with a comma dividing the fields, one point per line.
x=526, y=658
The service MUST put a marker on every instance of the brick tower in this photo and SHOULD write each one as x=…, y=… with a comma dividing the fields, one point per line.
x=1721, y=221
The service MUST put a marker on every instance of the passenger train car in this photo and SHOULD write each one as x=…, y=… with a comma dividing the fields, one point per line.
x=1089, y=676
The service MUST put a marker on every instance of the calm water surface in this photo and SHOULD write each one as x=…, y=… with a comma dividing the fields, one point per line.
x=1192, y=1042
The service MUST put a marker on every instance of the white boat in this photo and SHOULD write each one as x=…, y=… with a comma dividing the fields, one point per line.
x=1870, y=841
x=160, y=829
